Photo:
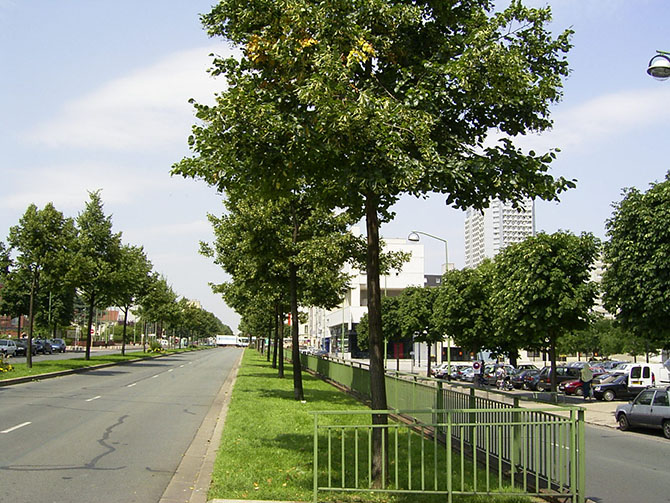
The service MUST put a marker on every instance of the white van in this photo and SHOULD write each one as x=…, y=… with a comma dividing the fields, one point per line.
x=643, y=375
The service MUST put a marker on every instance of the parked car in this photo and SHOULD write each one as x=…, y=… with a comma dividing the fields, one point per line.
x=523, y=379
x=58, y=345
x=468, y=374
x=614, y=386
x=43, y=346
x=457, y=373
x=526, y=366
x=575, y=387
x=649, y=409
x=489, y=375
x=563, y=373
x=7, y=347
x=22, y=348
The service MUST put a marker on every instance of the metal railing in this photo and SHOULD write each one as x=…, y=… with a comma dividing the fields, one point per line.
x=534, y=449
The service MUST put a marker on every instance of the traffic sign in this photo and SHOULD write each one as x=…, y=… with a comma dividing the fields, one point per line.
x=477, y=367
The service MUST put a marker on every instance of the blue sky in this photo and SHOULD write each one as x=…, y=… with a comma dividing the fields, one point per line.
x=94, y=95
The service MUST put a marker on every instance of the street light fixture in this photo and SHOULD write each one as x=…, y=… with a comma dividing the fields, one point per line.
x=414, y=236
x=659, y=66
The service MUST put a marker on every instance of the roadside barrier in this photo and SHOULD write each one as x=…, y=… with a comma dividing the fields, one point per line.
x=447, y=440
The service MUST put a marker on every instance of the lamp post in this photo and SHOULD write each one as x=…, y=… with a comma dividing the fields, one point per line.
x=414, y=236
x=659, y=66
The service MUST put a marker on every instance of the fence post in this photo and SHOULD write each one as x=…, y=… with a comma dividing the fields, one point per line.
x=581, y=457
x=516, y=451
x=316, y=458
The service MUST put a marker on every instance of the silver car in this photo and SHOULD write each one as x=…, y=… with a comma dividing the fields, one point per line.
x=7, y=347
x=649, y=409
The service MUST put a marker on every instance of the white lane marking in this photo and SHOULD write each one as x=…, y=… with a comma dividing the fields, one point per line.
x=181, y=366
x=170, y=370
x=190, y=363
x=131, y=385
x=9, y=430
x=154, y=377
x=94, y=398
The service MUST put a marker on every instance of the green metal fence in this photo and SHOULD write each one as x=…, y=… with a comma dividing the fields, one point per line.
x=531, y=449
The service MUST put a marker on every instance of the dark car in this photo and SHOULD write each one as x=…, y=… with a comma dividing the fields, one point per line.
x=57, y=345
x=649, y=409
x=22, y=348
x=43, y=346
x=562, y=374
x=524, y=378
x=615, y=386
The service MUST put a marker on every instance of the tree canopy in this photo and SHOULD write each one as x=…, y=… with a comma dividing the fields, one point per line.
x=636, y=282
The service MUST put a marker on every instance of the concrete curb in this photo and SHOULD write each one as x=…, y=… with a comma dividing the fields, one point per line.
x=191, y=481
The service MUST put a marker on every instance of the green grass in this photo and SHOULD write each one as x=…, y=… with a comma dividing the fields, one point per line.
x=267, y=442
x=48, y=366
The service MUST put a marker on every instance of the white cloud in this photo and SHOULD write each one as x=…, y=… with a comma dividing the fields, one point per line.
x=602, y=119
x=144, y=110
x=67, y=186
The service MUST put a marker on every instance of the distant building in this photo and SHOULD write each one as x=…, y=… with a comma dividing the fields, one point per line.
x=491, y=230
x=328, y=329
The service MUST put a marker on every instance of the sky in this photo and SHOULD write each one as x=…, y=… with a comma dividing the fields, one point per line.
x=94, y=96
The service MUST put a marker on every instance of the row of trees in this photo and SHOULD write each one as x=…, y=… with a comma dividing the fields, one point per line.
x=54, y=268
x=530, y=297
x=346, y=106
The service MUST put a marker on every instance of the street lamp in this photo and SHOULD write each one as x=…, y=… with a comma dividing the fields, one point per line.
x=659, y=66
x=414, y=236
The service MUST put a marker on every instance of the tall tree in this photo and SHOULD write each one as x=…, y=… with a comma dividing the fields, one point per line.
x=40, y=241
x=636, y=281
x=542, y=291
x=129, y=281
x=463, y=307
x=96, y=260
x=415, y=313
x=288, y=246
x=374, y=99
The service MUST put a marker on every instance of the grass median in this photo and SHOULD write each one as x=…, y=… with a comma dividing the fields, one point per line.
x=48, y=366
x=267, y=443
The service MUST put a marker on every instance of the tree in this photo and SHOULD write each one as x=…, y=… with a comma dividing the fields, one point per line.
x=129, y=281
x=636, y=282
x=96, y=260
x=391, y=327
x=375, y=99
x=158, y=303
x=287, y=246
x=463, y=307
x=41, y=241
x=415, y=313
x=542, y=290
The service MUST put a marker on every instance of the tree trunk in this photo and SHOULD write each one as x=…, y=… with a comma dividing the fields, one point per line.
x=276, y=338
x=31, y=319
x=377, y=371
x=280, y=345
x=552, y=358
x=429, y=345
x=91, y=306
x=123, y=340
x=298, y=392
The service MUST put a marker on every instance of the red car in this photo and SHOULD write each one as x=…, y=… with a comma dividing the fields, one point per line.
x=574, y=387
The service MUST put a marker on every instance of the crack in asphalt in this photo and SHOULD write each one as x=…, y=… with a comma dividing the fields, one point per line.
x=91, y=465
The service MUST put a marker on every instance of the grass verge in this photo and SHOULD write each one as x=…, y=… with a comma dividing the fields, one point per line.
x=48, y=366
x=267, y=442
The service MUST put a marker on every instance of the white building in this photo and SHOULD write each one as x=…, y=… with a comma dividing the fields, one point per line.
x=324, y=328
x=489, y=231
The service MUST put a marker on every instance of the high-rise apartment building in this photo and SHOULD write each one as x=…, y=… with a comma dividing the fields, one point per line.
x=499, y=225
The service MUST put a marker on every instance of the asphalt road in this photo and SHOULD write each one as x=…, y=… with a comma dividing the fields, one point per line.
x=623, y=467
x=110, y=435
